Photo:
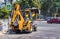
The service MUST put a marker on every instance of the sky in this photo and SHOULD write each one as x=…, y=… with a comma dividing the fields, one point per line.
x=1, y=0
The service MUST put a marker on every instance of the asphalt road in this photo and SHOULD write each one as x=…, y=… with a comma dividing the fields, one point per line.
x=44, y=31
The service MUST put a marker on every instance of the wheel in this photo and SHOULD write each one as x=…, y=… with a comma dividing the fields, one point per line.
x=49, y=22
x=58, y=22
x=28, y=30
x=17, y=31
x=34, y=28
x=11, y=32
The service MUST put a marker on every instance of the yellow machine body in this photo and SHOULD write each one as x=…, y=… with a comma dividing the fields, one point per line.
x=21, y=22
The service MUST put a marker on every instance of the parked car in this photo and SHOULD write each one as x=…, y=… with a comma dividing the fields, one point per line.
x=54, y=20
x=42, y=18
x=48, y=18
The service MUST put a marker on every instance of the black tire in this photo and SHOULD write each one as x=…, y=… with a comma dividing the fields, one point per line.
x=34, y=28
x=17, y=31
x=49, y=22
x=11, y=32
x=27, y=31
x=58, y=22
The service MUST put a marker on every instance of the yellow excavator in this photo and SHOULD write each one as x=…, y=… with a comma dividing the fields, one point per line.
x=23, y=25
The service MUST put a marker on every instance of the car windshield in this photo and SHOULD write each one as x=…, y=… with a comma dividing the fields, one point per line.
x=55, y=18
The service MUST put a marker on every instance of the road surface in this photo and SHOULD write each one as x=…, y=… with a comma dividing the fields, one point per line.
x=44, y=31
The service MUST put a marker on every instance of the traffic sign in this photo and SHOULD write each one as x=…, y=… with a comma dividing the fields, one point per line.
x=9, y=7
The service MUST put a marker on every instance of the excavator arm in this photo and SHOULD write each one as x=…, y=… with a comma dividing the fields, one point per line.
x=16, y=13
x=13, y=17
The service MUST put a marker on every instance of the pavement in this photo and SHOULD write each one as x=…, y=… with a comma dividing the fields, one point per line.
x=44, y=31
x=1, y=33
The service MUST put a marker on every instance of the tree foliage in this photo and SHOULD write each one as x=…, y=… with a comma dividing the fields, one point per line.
x=36, y=4
x=48, y=7
x=4, y=9
x=3, y=12
x=29, y=4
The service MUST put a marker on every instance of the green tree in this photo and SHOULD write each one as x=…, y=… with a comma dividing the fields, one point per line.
x=4, y=12
x=29, y=4
x=58, y=5
x=48, y=7
x=36, y=3
x=4, y=9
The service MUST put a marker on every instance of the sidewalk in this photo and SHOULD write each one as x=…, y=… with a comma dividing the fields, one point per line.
x=1, y=33
x=39, y=21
